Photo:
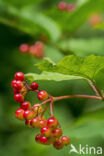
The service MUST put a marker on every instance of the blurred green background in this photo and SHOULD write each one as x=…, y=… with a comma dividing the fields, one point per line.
x=67, y=33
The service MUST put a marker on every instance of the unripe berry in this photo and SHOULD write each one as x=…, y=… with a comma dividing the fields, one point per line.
x=24, y=48
x=28, y=114
x=27, y=123
x=43, y=140
x=58, y=144
x=13, y=83
x=19, y=98
x=19, y=114
x=19, y=76
x=57, y=132
x=35, y=122
x=37, y=109
x=25, y=105
x=43, y=123
x=18, y=84
x=52, y=122
x=42, y=95
x=34, y=86
x=46, y=131
x=62, y=6
x=65, y=140
x=37, y=138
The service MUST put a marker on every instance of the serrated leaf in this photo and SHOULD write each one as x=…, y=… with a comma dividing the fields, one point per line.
x=86, y=67
x=50, y=76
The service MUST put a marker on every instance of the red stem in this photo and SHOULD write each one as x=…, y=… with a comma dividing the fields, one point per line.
x=76, y=96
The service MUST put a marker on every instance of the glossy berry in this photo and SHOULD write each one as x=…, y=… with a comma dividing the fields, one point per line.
x=13, y=83
x=19, y=76
x=25, y=105
x=46, y=131
x=19, y=114
x=57, y=132
x=24, y=48
x=42, y=123
x=18, y=84
x=37, y=138
x=52, y=122
x=28, y=114
x=62, y=6
x=27, y=123
x=42, y=95
x=65, y=140
x=34, y=86
x=58, y=144
x=19, y=97
x=35, y=122
x=43, y=140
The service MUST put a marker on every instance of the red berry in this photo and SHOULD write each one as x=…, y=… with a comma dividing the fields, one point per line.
x=18, y=84
x=25, y=105
x=13, y=83
x=70, y=7
x=58, y=144
x=52, y=122
x=43, y=123
x=65, y=140
x=39, y=45
x=32, y=49
x=19, y=98
x=16, y=91
x=35, y=122
x=28, y=114
x=57, y=132
x=19, y=114
x=34, y=86
x=42, y=95
x=37, y=138
x=24, y=48
x=46, y=131
x=27, y=123
x=62, y=6
x=19, y=76
x=43, y=140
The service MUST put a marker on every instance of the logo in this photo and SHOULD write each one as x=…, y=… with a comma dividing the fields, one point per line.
x=86, y=150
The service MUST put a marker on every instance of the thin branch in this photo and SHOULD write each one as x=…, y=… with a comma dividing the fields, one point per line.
x=94, y=87
x=76, y=96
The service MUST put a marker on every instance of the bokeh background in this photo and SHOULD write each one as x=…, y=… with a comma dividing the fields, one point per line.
x=80, y=32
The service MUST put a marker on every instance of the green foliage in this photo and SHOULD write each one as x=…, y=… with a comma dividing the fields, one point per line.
x=86, y=67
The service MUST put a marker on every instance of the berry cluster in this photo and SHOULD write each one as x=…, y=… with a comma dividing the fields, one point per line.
x=50, y=131
x=36, y=50
x=63, y=6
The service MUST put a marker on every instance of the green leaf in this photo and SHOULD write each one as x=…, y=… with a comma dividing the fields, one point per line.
x=82, y=13
x=50, y=76
x=83, y=47
x=86, y=68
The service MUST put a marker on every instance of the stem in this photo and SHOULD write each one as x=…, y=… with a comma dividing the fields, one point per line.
x=51, y=105
x=76, y=96
x=94, y=87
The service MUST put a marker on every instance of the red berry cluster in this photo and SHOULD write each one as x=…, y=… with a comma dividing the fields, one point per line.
x=63, y=6
x=36, y=50
x=50, y=131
